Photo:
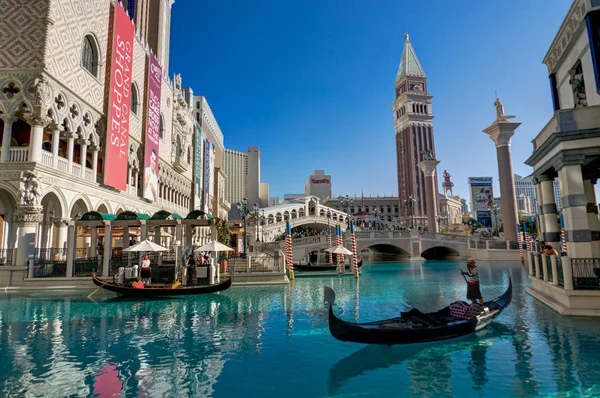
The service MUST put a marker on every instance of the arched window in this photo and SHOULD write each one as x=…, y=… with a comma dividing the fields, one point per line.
x=89, y=55
x=197, y=104
x=134, y=99
x=162, y=127
x=178, y=147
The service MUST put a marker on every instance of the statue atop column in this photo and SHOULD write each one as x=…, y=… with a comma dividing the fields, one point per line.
x=428, y=154
x=447, y=185
x=500, y=116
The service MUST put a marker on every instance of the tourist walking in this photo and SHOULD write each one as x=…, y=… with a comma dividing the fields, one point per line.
x=473, y=290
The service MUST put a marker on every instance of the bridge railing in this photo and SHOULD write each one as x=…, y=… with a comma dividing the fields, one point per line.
x=440, y=236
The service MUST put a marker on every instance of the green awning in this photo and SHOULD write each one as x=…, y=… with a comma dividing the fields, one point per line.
x=195, y=215
x=164, y=215
x=96, y=216
x=130, y=215
x=208, y=215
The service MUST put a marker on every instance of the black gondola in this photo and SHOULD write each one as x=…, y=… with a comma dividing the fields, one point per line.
x=414, y=326
x=161, y=290
x=321, y=267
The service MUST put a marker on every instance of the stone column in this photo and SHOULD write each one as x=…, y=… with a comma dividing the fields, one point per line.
x=548, y=212
x=143, y=230
x=592, y=213
x=540, y=200
x=574, y=208
x=428, y=167
x=82, y=156
x=27, y=219
x=61, y=232
x=71, y=247
x=501, y=132
x=70, y=150
x=106, y=257
x=57, y=129
x=7, y=136
x=36, y=136
x=94, y=149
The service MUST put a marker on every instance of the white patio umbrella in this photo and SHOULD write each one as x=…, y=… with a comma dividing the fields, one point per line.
x=146, y=246
x=339, y=249
x=213, y=246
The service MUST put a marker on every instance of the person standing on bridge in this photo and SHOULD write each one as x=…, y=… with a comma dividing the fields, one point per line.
x=473, y=290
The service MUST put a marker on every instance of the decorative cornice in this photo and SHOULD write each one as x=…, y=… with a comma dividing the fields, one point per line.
x=557, y=138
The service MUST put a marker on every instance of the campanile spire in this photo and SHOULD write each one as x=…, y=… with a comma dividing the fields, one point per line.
x=413, y=122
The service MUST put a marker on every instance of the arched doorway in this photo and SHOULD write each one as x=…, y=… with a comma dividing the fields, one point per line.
x=78, y=209
x=49, y=236
x=8, y=230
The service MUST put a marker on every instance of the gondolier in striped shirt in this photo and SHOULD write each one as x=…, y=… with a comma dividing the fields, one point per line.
x=473, y=291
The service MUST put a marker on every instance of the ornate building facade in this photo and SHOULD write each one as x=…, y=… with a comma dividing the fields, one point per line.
x=413, y=122
x=61, y=72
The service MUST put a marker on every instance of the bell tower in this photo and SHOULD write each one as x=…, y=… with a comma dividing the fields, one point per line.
x=413, y=122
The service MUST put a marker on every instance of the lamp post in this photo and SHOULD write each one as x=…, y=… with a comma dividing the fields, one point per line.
x=263, y=221
x=256, y=217
x=411, y=202
x=494, y=210
x=242, y=207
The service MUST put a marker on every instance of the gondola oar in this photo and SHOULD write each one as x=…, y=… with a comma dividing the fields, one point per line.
x=463, y=275
x=108, y=280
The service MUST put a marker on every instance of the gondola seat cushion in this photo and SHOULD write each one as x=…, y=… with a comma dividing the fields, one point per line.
x=459, y=309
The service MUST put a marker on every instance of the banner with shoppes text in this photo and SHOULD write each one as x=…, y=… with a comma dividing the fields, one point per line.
x=117, y=131
x=151, y=144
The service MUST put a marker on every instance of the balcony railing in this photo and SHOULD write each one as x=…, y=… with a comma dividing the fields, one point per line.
x=19, y=154
x=586, y=273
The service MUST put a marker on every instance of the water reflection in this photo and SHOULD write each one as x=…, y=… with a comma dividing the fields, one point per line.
x=255, y=341
x=428, y=365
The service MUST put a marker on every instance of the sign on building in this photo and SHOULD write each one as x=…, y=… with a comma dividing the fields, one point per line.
x=117, y=140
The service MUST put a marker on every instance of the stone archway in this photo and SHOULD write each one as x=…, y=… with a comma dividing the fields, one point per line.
x=51, y=223
x=8, y=229
x=102, y=209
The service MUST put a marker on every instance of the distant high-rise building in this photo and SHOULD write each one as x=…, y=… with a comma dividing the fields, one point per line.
x=234, y=165
x=253, y=176
x=263, y=194
x=273, y=201
x=319, y=184
x=413, y=122
x=464, y=206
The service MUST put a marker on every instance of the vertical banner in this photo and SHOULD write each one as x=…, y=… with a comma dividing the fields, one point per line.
x=117, y=133
x=152, y=130
x=207, y=150
x=198, y=168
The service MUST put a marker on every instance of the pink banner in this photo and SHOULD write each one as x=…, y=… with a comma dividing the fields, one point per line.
x=117, y=132
x=152, y=130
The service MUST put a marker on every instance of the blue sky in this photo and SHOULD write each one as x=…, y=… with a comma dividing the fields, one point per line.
x=311, y=82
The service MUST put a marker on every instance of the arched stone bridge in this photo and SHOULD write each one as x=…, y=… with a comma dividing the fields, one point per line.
x=408, y=243
x=302, y=211
x=306, y=211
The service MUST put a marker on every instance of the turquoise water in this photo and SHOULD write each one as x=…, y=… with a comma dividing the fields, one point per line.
x=274, y=342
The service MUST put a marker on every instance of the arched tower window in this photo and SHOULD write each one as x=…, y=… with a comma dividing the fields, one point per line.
x=161, y=130
x=178, y=147
x=134, y=99
x=89, y=55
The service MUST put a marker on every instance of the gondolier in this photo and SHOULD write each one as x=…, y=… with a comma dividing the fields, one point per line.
x=473, y=290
